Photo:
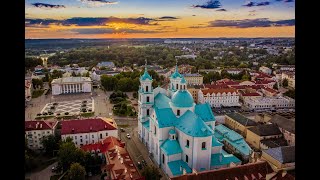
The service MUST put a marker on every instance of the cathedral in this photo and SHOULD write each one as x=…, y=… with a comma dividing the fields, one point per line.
x=178, y=133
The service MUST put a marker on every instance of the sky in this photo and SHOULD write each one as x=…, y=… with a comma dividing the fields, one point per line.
x=46, y=19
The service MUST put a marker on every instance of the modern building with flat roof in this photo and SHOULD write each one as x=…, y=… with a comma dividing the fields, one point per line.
x=69, y=85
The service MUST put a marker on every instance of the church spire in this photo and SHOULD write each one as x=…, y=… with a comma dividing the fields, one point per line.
x=177, y=66
x=145, y=67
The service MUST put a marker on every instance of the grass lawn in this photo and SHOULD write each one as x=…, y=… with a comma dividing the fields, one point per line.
x=45, y=117
x=37, y=93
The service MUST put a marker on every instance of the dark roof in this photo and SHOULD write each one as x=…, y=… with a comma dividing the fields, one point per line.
x=242, y=119
x=259, y=170
x=284, y=123
x=274, y=142
x=265, y=130
x=85, y=126
x=284, y=154
x=100, y=72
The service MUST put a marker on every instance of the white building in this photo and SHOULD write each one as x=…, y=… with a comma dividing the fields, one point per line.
x=269, y=103
x=88, y=131
x=178, y=133
x=189, y=56
x=71, y=85
x=234, y=71
x=227, y=97
x=265, y=70
x=36, y=130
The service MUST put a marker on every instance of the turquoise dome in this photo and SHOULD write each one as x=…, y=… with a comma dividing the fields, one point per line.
x=183, y=80
x=182, y=98
x=145, y=76
x=176, y=74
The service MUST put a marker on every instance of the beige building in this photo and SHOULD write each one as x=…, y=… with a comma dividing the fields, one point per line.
x=71, y=85
x=194, y=89
x=280, y=158
x=239, y=123
x=194, y=79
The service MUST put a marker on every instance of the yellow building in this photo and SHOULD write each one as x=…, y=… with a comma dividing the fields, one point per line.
x=194, y=79
x=261, y=136
x=194, y=89
x=280, y=158
x=239, y=123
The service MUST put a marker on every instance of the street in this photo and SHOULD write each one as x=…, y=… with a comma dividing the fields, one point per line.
x=42, y=175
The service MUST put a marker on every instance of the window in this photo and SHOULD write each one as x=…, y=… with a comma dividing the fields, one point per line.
x=162, y=158
x=178, y=112
x=187, y=143
x=147, y=112
x=92, y=141
x=76, y=143
x=48, y=132
x=177, y=86
x=92, y=136
x=106, y=134
x=180, y=86
x=147, y=98
x=100, y=136
x=203, y=146
x=86, y=136
x=75, y=137
x=187, y=158
x=184, y=86
x=80, y=136
x=34, y=133
x=80, y=140
x=147, y=88
x=155, y=130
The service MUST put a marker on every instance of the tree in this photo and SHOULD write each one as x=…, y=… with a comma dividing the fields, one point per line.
x=275, y=86
x=151, y=173
x=76, y=172
x=37, y=83
x=246, y=77
x=73, y=74
x=88, y=74
x=50, y=143
x=290, y=93
x=285, y=82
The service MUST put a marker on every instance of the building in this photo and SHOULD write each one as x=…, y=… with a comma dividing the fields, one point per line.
x=287, y=67
x=87, y=131
x=38, y=68
x=269, y=92
x=265, y=70
x=28, y=89
x=286, y=126
x=233, y=142
x=107, y=64
x=96, y=74
x=226, y=97
x=194, y=89
x=178, y=133
x=36, y=130
x=261, y=132
x=280, y=158
x=119, y=164
x=269, y=103
x=164, y=72
x=71, y=85
x=239, y=123
x=234, y=71
x=258, y=171
x=189, y=56
x=194, y=79
x=290, y=76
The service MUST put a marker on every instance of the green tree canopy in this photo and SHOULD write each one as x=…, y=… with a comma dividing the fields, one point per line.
x=285, y=82
x=76, y=172
x=151, y=173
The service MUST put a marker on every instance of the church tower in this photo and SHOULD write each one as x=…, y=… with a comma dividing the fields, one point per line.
x=145, y=101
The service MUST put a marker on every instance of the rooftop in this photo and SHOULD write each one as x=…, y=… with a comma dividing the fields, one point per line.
x=85, y=126
x=171, y=147
x=71, y=80
x=175, y=167
x=225, y=159
x=39, y=125
x=284, y=154
x=192, y=75
x=104, y=145
x=284, y=123
x=220, y=90
x=241, y=119
x=205, y=112
x=265, y=130
x=274, y=142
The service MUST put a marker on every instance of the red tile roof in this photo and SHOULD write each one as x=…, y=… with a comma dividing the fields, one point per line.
x=270, y=90
x=250, y=94
x=105, y=145
x=215, y=86
x=258, y=170
x=85, y=126
x=224, y=90
x=39, y=125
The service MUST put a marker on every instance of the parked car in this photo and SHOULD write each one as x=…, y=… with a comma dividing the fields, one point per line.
x=122, y=130
x=53, y=169
x=128, y=136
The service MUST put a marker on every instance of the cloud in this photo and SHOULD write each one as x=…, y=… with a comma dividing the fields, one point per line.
x=248, y=23
x=44, y=5
x=111, y=31
x=211, y=4
x=221, y=10
x=167, y=18
x=251, y=4
x=98, y=3
x=89, y=21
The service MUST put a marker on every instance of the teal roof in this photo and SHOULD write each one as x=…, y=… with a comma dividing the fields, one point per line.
x=182, y=98
x=165, y=116
x=170, y=147
x=192, y=125
x=145, y=75
x=161, y=101
x=205, y=112
x=234, y=139
x=146, y=124
x=175, y=167
x=215, y=142
x=225, y=159
x=176, y=74
x=172, y=131
x=183, y=80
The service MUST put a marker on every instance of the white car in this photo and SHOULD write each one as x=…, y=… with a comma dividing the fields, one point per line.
x=128, y=136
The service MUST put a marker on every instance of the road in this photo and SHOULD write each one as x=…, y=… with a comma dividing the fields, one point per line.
x=45, y=174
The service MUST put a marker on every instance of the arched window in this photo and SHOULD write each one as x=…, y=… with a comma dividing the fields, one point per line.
x=180, y=86
x=177, y=87
x=178, y=112
x=187, y=158
x=148, y=112
x=188, y=143
x=162, y=158
x=147, y=88
x=203, y=146
x=148, y=99
x=184, y=86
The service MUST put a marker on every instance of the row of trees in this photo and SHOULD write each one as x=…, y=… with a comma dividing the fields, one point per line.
x=214, y=76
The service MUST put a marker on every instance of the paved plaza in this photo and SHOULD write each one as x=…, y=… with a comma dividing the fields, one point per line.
x=72, y=107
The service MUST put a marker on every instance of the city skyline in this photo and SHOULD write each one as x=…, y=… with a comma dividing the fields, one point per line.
x=159, y=19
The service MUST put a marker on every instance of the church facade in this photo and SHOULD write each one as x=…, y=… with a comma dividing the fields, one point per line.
x=178, y=133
